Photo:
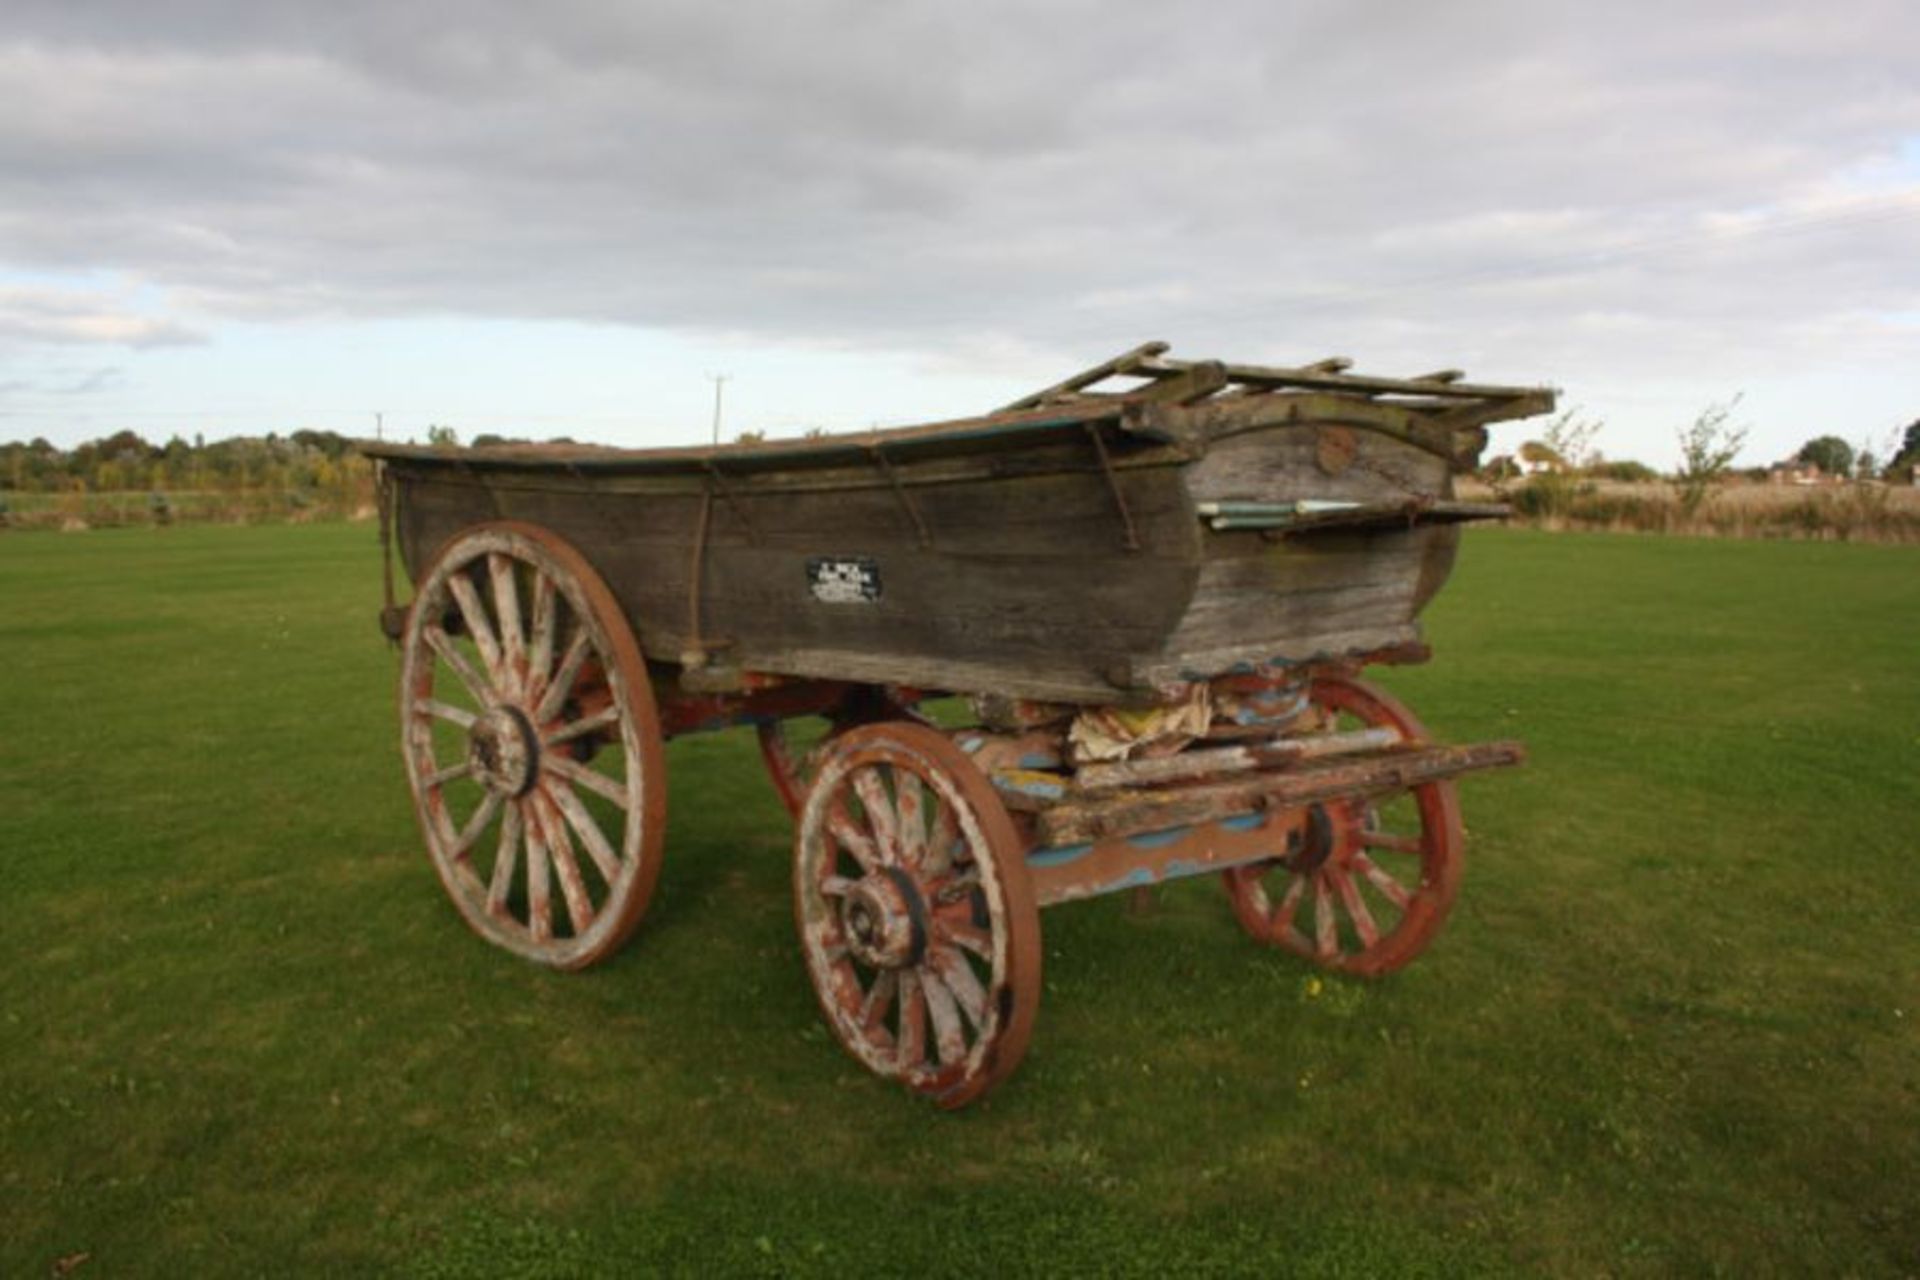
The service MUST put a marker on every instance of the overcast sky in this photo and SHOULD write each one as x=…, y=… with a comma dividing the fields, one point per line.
x=562, y=218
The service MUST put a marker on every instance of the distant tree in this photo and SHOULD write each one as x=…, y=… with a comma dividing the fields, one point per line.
x=1707, y=450
x=1538, y=453
x=440, y=436
x=1625, y=471
x=1829, y=453
x=1907, y=456
x=486, y=440
x=1499, y=469
x=1568, y=441
x=750, y=437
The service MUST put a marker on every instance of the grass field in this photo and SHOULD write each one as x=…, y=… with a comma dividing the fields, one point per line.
x=1670, y=1029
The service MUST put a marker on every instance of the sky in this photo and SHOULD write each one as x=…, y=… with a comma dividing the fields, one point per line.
x=570, y=218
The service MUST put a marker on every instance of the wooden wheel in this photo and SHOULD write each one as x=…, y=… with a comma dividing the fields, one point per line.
x=916, y=916
x=532, y=745
x=1371, y=884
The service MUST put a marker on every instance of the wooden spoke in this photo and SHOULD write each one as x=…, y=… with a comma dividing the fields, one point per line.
x=479, y=688
x=539, y=879
x=943, y=841
x=908, y=799
x=474, y=614
x=879, y=999
x=1390, y=889
x=587, y=829
x=952, y=970
x=949, y=1042
x=970, y=937
x=928, y=979
x=910, y=1045
x=1340, y=858
x=537, y=615
x=442, y=711
x=442, y=777
x=566, y=868
x=573, y=771
x=555, y=695
x=1325, y=940
x=1283, y=915
x=849, y=837
x=881, y=820
x=1356, y=907
x=586, y=724
x=540, y=636
x=505, y=860
x=476, y=825
x=506, y=607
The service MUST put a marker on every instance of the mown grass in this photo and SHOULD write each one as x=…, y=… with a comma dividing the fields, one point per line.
x=1669, y=1030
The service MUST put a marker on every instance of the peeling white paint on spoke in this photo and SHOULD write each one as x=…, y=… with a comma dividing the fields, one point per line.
x=482, y=815
x=598, y=783
x=479, y=627
x=444, y=711
x=948, y=1040
x=505, y=861
x=540, y=641
x=608, y=715
x=478, y=687
x=506, y=606
x=556, y=693
x=588, y=830
x=881, y=819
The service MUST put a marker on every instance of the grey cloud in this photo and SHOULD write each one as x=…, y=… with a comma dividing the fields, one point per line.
x=989, y=177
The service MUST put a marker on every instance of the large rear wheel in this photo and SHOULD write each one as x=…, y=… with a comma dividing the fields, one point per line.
x=532, y=745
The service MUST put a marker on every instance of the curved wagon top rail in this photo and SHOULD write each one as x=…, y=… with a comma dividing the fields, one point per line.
x=1432, y=410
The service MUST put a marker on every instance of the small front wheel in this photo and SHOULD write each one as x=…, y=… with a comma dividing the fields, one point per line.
x=1371, y=883
x=919, y=924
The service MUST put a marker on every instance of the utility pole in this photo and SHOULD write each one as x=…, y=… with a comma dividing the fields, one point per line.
x=719, y=380
x=379, y=426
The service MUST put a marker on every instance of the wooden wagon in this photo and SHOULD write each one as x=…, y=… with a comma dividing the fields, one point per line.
x=1154, y=584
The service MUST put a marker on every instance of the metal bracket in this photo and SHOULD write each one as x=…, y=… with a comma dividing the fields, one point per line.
x=900, y=493
x=1113, y=485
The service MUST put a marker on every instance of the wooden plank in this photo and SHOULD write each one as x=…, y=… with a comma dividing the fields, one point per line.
x=1132, y=812
x=1119, y=365
x=1317, y=378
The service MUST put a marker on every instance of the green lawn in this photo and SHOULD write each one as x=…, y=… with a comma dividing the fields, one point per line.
x=1671, y=1027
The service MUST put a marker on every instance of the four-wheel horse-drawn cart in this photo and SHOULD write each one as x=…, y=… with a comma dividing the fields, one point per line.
x=1155, y=582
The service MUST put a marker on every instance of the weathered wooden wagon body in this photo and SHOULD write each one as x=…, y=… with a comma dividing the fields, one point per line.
x=1156, y=597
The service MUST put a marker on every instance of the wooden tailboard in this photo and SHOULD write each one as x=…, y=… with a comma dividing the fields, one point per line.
x=1068, y=562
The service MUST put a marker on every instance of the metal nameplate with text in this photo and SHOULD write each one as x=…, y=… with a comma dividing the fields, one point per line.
x=844, y=579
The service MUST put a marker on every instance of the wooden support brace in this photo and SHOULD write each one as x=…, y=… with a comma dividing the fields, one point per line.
x=900, y=493
x=733, y=503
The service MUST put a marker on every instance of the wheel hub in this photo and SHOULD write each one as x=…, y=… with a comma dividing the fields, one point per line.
x=884, y=918
x=1322, y=841
x=504, y=751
